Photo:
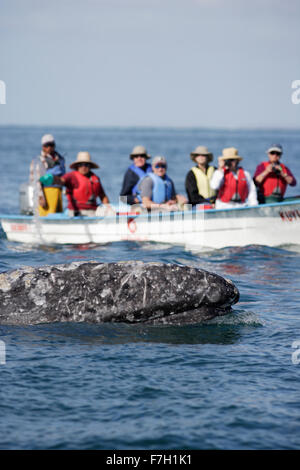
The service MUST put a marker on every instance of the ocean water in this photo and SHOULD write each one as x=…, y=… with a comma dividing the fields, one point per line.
x=232, y=383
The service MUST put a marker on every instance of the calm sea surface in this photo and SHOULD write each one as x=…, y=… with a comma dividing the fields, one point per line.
x=228, y=384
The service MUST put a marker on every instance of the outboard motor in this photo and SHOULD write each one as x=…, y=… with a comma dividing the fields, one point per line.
x=26, y=198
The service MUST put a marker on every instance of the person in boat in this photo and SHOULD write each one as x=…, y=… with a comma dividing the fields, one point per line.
x=197, y=180
x=157, y=190
x=272, y=177
x=138, y=169
x=48, y=162
x=83, y=187
x=234, y=184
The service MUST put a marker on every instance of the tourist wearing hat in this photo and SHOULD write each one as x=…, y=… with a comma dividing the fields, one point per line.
x=48, y=162
x=197, y=180
x=138, y=169
x=234, y=184
x=157, y=190
x=272, y=176
x=82, y=186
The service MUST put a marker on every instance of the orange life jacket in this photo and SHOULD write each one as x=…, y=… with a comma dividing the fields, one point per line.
x=84, y=194
x=234, y=189
x=273, y=183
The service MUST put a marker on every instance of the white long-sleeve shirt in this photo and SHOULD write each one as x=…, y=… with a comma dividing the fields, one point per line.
x=217, y=181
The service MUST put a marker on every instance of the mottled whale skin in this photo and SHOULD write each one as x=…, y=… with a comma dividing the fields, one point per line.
x=128, y=292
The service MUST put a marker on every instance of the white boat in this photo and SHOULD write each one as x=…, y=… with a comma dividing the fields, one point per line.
x=267, y=224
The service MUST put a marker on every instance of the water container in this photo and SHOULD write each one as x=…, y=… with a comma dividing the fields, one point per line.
x=26, y=200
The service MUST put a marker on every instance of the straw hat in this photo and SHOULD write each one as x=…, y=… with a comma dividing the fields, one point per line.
x=83, y=157
x=139, y=150
x=201, y=150
x=230, y=153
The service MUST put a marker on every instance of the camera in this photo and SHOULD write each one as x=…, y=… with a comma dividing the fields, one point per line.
x=276, y=170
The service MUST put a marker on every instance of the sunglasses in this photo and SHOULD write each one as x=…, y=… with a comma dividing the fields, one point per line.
x=139, y=156
x=273, y=152
x=50, y=144
x=84, y=164
x=160, y=165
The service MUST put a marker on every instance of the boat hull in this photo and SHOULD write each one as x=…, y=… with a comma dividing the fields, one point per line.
x=269, y=224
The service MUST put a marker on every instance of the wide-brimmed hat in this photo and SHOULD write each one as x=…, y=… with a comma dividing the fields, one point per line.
x=139, y=150
x=230, y=153
x=47, y=139
x=159, y=159
x=83, y=157
x=201, y=150
x=275, y=148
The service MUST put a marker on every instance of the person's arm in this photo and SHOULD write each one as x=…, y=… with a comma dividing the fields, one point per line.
x=217, y=179
x=252, y=195
x=102, y=195
x=145, y=188
x=289, y=177
x=261, y=173
x=177, y=200
x=192, y=189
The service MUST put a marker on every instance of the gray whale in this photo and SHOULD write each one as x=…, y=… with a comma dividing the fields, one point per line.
x=129, y=292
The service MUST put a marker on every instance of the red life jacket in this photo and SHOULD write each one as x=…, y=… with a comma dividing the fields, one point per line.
x=83, y=194
x=273, y=183
x=232, y=186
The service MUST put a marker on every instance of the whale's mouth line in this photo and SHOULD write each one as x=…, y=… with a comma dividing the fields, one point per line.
x=171, y=316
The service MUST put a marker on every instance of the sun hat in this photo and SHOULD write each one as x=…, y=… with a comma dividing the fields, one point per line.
x=83, y=157
x=230, y=153
x=139, y=150
x=275, y=148
x=159, y=159
x=201, y=150
x=47, y=139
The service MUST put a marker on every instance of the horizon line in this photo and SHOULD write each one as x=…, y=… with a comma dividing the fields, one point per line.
x=156, y=127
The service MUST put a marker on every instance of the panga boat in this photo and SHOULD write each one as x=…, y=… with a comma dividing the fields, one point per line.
x=268, y=224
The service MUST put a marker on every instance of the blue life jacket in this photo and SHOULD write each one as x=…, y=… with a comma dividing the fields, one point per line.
x=162, y=189
x=141, y=174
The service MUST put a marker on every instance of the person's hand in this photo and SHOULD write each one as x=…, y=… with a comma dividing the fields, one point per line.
x=181, y=199
x=170, y=206
x=171, y=202
x=287, y=178
x=42, y=202
x=221, y=163
x=104, y=210
x=269, y=168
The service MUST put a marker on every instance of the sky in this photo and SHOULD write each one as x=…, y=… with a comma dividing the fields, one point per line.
x=173, y=63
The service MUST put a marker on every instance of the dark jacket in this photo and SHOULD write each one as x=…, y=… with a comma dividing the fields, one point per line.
x=129, y=181
x=192, y=190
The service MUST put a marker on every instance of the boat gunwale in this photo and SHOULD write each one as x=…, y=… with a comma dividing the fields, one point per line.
x=78, y=219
